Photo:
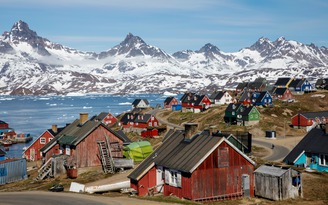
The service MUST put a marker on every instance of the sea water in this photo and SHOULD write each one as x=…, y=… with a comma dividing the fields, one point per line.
x=36, y=114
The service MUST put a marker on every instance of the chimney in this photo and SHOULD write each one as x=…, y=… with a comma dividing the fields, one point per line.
x=54, y=128
x=190, y=130
x=83, y=118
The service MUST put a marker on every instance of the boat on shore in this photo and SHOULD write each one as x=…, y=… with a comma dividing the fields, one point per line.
x=6, y=143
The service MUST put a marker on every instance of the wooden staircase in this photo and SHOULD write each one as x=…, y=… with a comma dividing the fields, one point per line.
x=106, y=157
x=45, y=170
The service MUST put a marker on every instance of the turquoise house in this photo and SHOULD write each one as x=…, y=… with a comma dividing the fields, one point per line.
x=311, y=152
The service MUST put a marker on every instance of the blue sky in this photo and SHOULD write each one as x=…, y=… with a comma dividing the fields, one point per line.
x=172, y=25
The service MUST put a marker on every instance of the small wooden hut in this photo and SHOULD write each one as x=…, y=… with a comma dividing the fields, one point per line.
x=277, y=183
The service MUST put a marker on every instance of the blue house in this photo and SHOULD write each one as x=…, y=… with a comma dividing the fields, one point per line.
x=2, y=155
x=261, y=98
x=300, y=85
x=176, y=107
x=311, y=152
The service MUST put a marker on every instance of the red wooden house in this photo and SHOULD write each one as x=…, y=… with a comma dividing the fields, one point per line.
x=309, y=119
x=106, y=118
x=195, y=103
x=3, y=125
x=199, y=167
x=169, y=101
x=245, y=98
x=33, y=153
x=138, y=121
x=79, y=142
x=283, y=94
x=149, y=133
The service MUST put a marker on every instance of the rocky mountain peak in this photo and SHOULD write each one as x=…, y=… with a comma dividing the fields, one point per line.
x=21, y=32
x=209, y=48
x=264, y=46
x=131, y=40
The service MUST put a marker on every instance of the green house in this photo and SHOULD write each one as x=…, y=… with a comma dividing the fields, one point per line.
x=241, y=114
x=230, y=115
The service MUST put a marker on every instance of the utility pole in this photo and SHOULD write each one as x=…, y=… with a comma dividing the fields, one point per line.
x=284, y=127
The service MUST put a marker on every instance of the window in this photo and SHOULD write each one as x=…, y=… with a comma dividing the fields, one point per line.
x=323, y=160
x=223, y=157
x=42, y=140
x=50, y=139
x=173, y=178
x=67, y=150
x=149, y=123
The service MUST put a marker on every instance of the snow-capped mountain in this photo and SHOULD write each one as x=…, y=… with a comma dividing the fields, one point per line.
x=30, y=64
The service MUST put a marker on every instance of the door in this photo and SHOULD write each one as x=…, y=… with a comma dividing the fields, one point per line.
x=246, y=185
x=32, y=154
x=159, y=179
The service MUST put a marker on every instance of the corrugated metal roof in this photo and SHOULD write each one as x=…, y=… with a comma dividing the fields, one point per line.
x=188, y=153
x=313, y=115
x=271, y=170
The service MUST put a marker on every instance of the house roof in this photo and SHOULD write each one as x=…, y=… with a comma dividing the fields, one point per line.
x=101, y=116
x=74, y=133
x=296, y=82
x=2, y=122
x=261, y=96
x=256, y=85
x=245, y=110
x=217, y=95
x=245, y=96
x=168, y=100
x=183, y=155
x=315, y=141
x=271, y=170
x=241, y=86
x=137, y=101
x=192, y=98
x=233, y=107
x=280, y=91
x=313, y=115
x=185, y=96
x=282, y=81
x=121, y=134
x=2, y=153
x=135, y=117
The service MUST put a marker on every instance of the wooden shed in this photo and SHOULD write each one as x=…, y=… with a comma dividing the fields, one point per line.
x=277, y=183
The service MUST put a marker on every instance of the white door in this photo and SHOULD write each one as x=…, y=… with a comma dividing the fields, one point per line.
x=159, y=179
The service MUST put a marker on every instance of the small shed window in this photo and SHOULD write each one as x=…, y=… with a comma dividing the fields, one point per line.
x=50, y=139
x=42, y=140
x=223, y=157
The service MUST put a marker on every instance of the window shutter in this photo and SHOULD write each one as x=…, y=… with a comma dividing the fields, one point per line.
x=167, y=176
x=179, y=179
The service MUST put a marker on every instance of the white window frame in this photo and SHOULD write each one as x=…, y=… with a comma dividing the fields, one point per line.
x=173, y=177
x=50, y=139
x=43, y=140
x=67, y=150
x=323, y=160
